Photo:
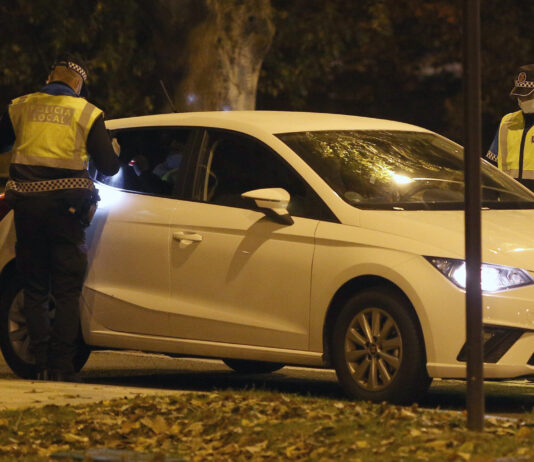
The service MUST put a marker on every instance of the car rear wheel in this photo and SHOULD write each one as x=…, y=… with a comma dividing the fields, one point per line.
x=14, y=338
x=246, y=366
x=377, y=349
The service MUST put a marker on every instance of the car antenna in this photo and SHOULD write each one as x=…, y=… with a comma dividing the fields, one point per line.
x=167, y=95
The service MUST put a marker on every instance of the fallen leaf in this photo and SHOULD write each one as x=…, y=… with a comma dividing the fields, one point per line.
x=128, y=426
x=466, y=447
x=438, y=444
x=196, y=428
x=257, y=447
x=156, y=424
x=407, y=413
x=72, y=438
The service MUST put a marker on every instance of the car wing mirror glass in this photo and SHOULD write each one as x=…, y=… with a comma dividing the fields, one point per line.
x=273, y=201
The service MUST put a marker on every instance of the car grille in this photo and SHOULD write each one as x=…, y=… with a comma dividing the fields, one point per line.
x=497, y=341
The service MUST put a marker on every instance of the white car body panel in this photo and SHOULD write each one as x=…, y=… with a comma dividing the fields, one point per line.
x=8, y=239
x=122, y=292
x=263, y=123
x=247, y=281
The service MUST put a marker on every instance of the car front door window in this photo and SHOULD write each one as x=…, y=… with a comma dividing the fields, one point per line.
x=231, y=164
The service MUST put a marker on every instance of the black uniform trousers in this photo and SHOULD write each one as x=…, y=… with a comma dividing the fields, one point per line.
x=52, y=261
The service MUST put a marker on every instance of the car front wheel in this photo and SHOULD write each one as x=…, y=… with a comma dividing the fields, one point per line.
x=377, y=349
x=14, y=338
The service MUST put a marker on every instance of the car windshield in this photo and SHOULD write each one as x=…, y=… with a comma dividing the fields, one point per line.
x=401, y=170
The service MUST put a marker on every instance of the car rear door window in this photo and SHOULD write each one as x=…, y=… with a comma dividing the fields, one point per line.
x=152, y=161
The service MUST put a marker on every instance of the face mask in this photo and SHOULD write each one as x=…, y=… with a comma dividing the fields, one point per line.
x=526, y=106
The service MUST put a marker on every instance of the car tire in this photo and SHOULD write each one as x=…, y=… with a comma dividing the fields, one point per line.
x=14, y=339
x=377, y=348
x=246, y=366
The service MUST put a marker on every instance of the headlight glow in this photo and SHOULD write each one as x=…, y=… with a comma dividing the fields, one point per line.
x=494, y=277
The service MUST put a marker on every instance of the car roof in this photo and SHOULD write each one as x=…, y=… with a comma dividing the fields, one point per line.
x=267, y=121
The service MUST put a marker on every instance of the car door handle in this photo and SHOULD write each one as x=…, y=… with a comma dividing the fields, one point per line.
x=185, y=237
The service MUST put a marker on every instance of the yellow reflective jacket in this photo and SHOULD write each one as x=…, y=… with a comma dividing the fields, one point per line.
x=51, y=130
x=512, y=141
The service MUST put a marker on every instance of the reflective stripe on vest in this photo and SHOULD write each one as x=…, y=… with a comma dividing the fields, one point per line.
x=510, y=135
x=51, y=130
x=49, y=185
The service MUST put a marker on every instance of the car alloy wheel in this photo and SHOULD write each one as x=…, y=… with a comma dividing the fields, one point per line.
x=373, y=349
x=377, y=348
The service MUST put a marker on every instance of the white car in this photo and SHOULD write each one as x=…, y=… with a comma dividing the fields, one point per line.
x=274, y=238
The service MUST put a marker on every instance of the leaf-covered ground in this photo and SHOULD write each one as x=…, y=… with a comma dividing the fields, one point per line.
x=259, y=426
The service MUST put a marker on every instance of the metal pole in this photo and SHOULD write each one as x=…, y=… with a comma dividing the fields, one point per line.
x=473, y=305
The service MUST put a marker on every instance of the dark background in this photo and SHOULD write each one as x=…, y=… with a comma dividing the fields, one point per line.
x=394, y=59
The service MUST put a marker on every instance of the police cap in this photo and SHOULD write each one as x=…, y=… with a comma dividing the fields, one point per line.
x=72, y=62
x=524, y=81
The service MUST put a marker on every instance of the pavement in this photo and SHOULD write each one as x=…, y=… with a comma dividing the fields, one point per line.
x=124, y=374
x=16, y=393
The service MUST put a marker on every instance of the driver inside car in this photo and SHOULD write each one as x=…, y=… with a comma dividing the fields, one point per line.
x=164, y=176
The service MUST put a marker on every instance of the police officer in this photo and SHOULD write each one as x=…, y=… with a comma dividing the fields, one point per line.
x=50, y=134
x=512, y=149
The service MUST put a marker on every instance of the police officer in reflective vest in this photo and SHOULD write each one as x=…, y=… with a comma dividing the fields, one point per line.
x=51, y=134
x=512, y=149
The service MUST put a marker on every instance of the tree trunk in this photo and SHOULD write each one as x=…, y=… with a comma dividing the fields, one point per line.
x=215, y=49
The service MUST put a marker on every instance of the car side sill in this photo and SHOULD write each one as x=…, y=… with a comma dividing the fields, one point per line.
x=187, y=347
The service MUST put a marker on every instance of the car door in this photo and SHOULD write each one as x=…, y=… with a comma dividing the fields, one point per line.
x=128, y=283
x=238, y=276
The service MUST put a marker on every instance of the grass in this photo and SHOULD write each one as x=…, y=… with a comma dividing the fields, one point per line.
x=258, y=425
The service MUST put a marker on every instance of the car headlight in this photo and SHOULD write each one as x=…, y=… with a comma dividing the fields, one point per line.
x=494, y=277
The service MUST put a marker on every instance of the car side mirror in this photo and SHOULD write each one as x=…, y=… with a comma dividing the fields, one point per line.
x=274, y=201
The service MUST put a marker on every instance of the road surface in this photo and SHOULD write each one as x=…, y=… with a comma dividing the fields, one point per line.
x=137, y=371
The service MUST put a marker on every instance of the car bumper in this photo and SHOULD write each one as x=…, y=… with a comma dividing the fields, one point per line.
x=508, y=319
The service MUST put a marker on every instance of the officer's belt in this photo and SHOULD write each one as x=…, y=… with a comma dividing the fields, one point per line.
x=49, y=185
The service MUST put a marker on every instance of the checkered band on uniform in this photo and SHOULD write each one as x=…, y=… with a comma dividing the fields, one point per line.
x=79, y=69
x=524, y=84
x=49, y=185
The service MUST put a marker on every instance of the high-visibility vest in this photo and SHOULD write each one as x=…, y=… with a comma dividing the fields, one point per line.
x=51, y=130
x=510, y=139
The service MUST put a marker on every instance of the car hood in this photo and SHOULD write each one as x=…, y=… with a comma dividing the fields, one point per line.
x=507, y=235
